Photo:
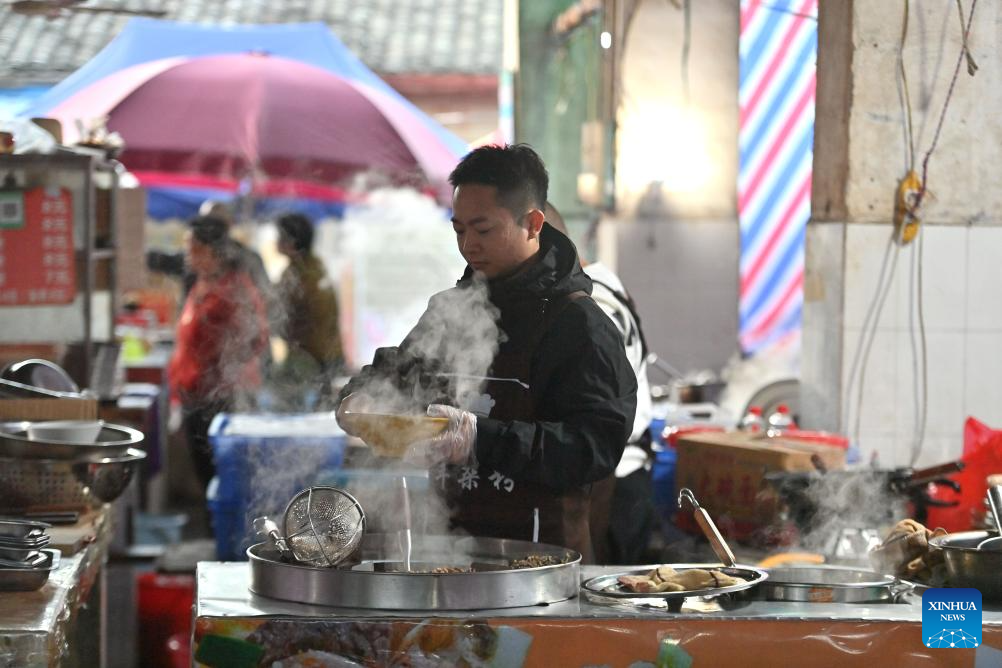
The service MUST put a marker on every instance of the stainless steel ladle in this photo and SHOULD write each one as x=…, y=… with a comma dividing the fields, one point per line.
x=717, y=542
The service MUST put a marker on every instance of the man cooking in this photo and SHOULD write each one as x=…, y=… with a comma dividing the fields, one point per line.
x=549, y=417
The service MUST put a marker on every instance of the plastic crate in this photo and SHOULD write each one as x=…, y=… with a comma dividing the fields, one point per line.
x=262, y=461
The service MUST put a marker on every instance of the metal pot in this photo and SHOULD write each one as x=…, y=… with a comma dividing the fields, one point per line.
x=379, y=580
x=967, y=566
x=112, y=441
x=829, y=584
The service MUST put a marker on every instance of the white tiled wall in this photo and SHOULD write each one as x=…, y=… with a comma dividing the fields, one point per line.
x=962, y=288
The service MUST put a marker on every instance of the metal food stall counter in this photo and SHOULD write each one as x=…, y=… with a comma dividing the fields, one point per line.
x=235, y=627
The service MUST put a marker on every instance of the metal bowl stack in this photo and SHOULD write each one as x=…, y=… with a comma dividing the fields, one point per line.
x=24, y=563
x=65, y=473
x=968, y=565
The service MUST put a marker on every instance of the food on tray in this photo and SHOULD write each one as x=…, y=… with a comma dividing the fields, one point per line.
x=665, y=579
x=536, y=561
x=907, y=554
x=451, y=569
x=390, y=435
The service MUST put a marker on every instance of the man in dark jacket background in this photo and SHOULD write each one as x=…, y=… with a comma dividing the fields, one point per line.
x=538, y=424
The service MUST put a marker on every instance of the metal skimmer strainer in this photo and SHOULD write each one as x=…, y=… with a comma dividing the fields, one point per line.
x=323, y=526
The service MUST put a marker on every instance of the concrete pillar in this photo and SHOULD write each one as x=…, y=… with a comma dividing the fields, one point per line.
x=860, y=154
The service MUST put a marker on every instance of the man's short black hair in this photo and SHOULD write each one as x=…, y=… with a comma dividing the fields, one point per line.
x=298, y=229
x=214, y=232
x=516, y=171
x=210, y=231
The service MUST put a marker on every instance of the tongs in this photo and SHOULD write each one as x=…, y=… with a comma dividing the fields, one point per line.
x=717, y=542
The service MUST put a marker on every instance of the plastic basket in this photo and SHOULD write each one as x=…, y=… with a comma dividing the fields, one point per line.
x=262, y=461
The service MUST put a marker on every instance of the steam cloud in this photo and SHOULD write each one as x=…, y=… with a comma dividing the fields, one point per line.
x=459, y=338
x=848, y=501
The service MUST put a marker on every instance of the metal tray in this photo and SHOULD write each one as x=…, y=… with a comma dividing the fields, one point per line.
x=113, y=441
x=608, y=585
x=17, y=553
x=11, y=528
x=34, y=542
x=29, y=579
x=830, y=584
x=377, y=580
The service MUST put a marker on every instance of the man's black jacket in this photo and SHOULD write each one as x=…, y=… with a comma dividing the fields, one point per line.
x=583, y=388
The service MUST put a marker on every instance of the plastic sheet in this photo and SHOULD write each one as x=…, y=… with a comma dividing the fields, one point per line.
x=235, y=628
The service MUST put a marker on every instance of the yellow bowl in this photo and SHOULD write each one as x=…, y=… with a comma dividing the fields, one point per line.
x=390, y=435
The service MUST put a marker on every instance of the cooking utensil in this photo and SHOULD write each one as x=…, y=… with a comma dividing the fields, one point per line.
x=266, y=528
x=17, y=528
x=25, y=483
x=18, y=553
x=53, y=516
x=717, y=542
x=29, y=579
x=40, y=373
x=33, y=560
x=608, y=586
x=32, y=543
x=65, y=431
x=995, y=502
x=967, y=566
x=368, y=584
x=112, y=441
x=323, y=525
x=14, y=390
x=390, y=435
x=829, y=584
x=408, y=546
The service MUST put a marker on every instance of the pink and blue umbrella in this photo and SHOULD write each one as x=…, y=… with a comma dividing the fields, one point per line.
x=283, y=128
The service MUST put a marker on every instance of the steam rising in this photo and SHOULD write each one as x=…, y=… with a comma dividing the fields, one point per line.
x=845, y=502
x=400, y=250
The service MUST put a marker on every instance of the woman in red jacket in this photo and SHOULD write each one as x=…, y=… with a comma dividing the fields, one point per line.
x=221, y=335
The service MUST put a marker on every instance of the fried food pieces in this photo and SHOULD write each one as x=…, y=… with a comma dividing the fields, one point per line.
x=906, y=552
x=665, y=579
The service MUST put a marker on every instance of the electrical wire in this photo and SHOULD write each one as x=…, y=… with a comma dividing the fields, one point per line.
x=870, y=326
x=906, y=97
x=871, y=323
x=964, y=54
x=920, y=436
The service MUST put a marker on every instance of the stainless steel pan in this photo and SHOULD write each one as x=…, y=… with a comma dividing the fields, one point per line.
x=829, y=584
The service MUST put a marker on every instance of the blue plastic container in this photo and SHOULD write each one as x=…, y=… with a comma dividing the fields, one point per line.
x=262, y=461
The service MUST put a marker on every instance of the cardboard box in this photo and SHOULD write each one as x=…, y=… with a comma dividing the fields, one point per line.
x=48, y=409
x=725, y=471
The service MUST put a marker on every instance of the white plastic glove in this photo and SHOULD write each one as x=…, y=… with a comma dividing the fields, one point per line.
x=452, y=446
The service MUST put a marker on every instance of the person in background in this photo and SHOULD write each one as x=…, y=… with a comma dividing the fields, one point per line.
x=220, y=337
x=556, y=405
x=307, y=294
x=173, y=264
x=633, y=495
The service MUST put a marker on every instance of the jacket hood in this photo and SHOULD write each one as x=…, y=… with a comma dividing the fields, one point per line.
x=555, y=272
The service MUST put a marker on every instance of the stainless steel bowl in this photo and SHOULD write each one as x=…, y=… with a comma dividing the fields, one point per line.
x=967, y=566
x=113, y=440
x=62, y=482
